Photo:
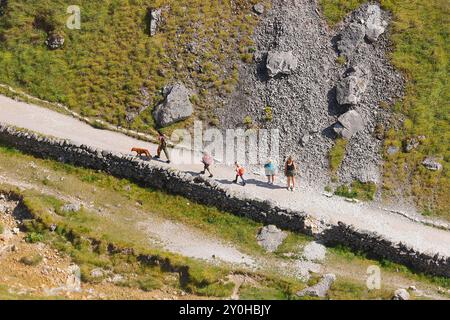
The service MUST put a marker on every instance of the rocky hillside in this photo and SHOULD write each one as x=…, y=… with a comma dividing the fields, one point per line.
x=319, y=85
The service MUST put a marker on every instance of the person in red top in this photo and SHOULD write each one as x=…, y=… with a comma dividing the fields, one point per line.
x=240, y=171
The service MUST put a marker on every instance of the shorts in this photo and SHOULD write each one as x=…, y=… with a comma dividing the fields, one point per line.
x=290, y=173
x=270, y=172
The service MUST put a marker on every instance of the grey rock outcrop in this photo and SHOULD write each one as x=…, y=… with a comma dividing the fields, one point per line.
x=391, y=150
x=314, y=251
x=374, y=25
x=351, y=88
x=259, y=8
x=432, y=164
x=321, y=289
x=281, y=63
x=351, y=38
x=155, y=18
x=70, y=207
x=411, y=144
x=54, y=41
x=175, y=107
x=270, y=238
x=348, y=124
x=401, y=294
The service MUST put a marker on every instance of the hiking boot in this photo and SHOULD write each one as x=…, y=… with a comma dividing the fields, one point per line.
x=168, y=161
x=211, y=176
x=202, y=172
x=156, y=157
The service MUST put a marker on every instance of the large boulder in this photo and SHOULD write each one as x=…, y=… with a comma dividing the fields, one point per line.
x=432, y=164
x=401, y=294
x=175, y=107
x=270, y=238
x=54, y=41
x=351, y=38
x=374, y=24
x=320, y=289
x=281, y=63
x=348, y=124
x=351, y=88
x=259, y=8
x=314, y=251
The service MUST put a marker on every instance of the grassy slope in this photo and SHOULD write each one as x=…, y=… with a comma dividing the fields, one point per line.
x=420, y=35
x=102, y=67
x=125, y=202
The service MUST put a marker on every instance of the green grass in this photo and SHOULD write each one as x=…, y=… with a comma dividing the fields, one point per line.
x=344, y=254
x=336, y=10
x=346, y=289
x=420, y=34
x=253, y=293
x=101, y=188
x=342, y=60
x=268, y=114
x=357, y=190
x=337, y=154
x=102, y=67
x=74, y=229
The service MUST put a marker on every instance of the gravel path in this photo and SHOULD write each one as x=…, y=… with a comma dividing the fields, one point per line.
x=362, y=216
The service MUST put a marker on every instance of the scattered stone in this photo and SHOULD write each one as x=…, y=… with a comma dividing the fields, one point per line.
x=391, y=150
x=281, y=63
x=117, y=278
x=70, y=207
x=155, y=17
x=54, y=41
x=176, y=106
x=401, y=294
x=259, y=8
x=321, y=289
x=411, y=144
x=351, y=38
x=270, y=238
x=314, y=251
x=349, y=124
x=97, y=273
x=431, y=163
x=374, y=25
x=351, y=88
x=305, y=139
x=15, y=231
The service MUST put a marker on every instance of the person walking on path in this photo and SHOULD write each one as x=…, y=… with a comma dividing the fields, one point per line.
x=240, y=171
x=207, y=161
x=290, y=169
x=270, y=171
x=162, y=146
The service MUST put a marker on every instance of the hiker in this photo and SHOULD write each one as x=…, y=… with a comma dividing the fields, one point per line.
x=162, y=146
x=290, y=169
x=207, y=161
x=270, y=171
x=239, y=173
